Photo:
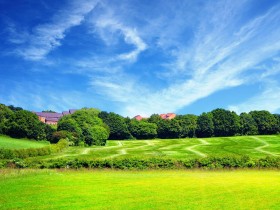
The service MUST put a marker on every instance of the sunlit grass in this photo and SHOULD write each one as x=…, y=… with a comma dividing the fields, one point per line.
x=180, y=148
x=12, y=143
x=139, y=189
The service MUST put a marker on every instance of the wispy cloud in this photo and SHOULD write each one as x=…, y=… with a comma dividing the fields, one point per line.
x=46, y=37
x=189, y=49
x=223, y=51
x=108, y=25
x=268, y=99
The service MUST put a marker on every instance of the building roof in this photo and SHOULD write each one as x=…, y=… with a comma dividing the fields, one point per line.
x=49, y=114
x=51, y=117
x=65, y=113
x=138, y=117
x=168, y=116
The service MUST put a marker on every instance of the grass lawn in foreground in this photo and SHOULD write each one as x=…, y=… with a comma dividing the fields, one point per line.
x=12, y=143
x=109, y=189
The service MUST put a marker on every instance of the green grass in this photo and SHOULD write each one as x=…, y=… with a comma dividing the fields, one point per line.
x=108, y=189
x=12, y=143
x=254, y=146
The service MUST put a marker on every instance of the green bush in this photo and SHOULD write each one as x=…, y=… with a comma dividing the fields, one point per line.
x=226, y=162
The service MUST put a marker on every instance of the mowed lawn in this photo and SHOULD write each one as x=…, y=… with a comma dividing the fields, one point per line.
x=254, y=146
x=12, y=143
x=109, y=189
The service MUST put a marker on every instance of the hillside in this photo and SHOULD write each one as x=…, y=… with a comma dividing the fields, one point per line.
x=188, y=148
x=13, y=143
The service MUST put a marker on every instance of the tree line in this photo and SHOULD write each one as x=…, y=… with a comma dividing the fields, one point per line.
x=218, y=122
x=90, y=126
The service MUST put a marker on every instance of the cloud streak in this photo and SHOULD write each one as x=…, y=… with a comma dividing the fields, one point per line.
x=46, y=37
x=108, y=24
x=223, y=51
x=268, y=99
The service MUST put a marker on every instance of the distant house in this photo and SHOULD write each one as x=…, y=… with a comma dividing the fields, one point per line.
x=167, y=116
x=138, y=117
x=51, y=118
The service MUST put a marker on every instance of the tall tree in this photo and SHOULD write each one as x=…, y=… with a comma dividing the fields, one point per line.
x=226, y=123
x=142, y=129
x=248, y=125
x=266, y=122
x=188, y=125
x=26, y=124
x=5, y=115
x=277, y=117
x=205, y=125
x=93, y=130
x=118, y=127
x=168, y=129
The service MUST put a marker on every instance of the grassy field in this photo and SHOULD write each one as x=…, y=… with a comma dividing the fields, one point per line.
x=254, y=146
x=11, y=143
x=108, y=189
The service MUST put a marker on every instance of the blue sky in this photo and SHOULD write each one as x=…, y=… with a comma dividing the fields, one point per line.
x=140, y=57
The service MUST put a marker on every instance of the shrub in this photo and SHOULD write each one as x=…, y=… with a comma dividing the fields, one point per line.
x=226, y=162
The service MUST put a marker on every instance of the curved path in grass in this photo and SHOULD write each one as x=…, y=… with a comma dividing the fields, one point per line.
x=191, y=148
x=123, y=151
x=265, y=144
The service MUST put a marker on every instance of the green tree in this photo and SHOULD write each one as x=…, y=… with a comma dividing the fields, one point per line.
x=155, y=118
x=168, y=129
x=26, y=124
x=13, y=108
x=188, y=125
x=67, y=123
x=117, y=125
x=85, y=124
x=5, y=115
x=266, y=122
x=226, y=123
x=96, y=135
x=142, y=129
x=248, y=126
x=277, y=117
x=205, y=125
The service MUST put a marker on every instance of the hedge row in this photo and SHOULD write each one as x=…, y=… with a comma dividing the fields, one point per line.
x=33, y=152
x=227, y=162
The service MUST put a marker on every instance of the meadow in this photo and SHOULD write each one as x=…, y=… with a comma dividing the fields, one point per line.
x=109, y=189
x=7, y=142
x=188, y=148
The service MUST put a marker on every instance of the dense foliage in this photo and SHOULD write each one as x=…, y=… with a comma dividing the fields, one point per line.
x=85, y=127
x=117, y=125
x=142, y=129
x=20, y=123
x=227, y=162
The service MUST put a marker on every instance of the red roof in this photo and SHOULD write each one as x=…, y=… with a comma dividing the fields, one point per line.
x=168, y=116
x=138, y=117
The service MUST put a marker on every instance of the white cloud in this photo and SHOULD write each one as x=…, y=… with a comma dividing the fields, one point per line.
x=220, y=55
x=46, y=37
x=268, y=99
x=108, y=26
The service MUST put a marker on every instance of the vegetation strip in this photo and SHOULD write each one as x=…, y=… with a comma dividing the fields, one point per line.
x=147, y=163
